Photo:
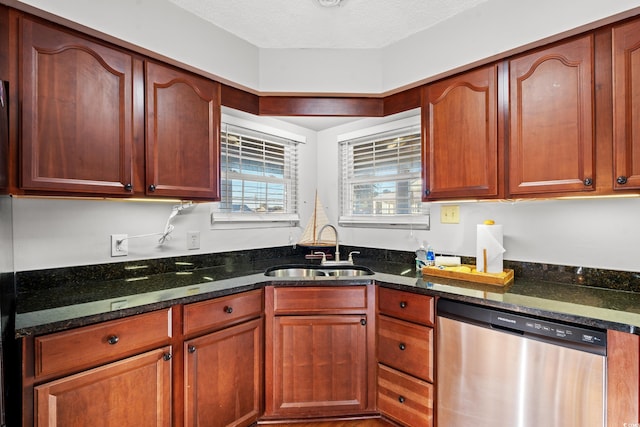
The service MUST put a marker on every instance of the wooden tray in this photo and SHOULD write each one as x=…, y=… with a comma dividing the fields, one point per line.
x=500, y=279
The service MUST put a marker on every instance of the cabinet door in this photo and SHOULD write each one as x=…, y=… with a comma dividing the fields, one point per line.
x=551, y=120
x=183, y=134
x=460, y=138
x=76, y=113
x=223, y=377
x=626, y=106
x=134, y=392
x=320, y=365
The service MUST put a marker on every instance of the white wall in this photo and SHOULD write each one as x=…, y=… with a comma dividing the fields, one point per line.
x=493, y=27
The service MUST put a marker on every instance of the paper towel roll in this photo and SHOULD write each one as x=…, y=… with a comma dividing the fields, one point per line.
x=489, y=248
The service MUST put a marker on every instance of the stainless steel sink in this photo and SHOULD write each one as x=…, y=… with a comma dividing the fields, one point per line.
x=303, y=271
x=293, y=272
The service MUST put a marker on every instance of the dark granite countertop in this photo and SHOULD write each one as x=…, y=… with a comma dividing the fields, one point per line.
x=72, y=303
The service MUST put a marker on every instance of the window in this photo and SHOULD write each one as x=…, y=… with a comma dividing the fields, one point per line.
x=381, y=176
x=259, y=175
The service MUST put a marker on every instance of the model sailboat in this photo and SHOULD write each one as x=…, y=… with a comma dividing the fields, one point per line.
x=318, y=220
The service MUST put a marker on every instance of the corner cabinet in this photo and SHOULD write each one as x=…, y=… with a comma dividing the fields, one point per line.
x=77, y=116
x=551, y=125
x=460, y=142
x=182, y=134
x=626, y=104
x=319, y=352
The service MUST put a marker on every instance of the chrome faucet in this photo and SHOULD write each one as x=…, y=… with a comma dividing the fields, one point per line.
x=335, y=230
x=337, y=260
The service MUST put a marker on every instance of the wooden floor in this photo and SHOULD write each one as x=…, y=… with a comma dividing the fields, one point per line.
x=375, y=422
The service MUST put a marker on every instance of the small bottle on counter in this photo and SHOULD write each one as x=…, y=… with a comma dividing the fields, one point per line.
x=431, y=256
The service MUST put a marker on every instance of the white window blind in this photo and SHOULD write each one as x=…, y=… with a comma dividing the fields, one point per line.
x=381, y=179
x=259, y=176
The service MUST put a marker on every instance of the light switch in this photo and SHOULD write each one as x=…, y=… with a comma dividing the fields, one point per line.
x=450, y=214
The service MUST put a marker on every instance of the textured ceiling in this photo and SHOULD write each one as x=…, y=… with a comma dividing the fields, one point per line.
x=305, y=24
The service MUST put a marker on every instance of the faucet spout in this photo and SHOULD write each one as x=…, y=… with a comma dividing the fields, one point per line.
x=337, y=260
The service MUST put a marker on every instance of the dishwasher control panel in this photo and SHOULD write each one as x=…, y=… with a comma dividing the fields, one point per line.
x=549, y=329
x=568, y=335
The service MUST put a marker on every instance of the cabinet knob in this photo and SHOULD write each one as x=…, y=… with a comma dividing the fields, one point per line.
x=191, y=349
x=128, y=187
x=167, y=356
x=401, y=399
x=152, y=188
x=621, y=180
x=228, y=309
x=427, y=192
x=363, y=322
x=587, y=182
x=402, y=346
x=403, y=304
x=113, y=339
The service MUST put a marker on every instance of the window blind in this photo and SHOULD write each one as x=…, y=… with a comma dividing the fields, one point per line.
x=381, y=175
x=259, y=173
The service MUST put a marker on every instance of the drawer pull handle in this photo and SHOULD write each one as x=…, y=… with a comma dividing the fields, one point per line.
x=113, y=339
x=167, y=356
x=228, y=309
x=403, y=304
x=401, y=399
x=191, y=349
x=402, y=346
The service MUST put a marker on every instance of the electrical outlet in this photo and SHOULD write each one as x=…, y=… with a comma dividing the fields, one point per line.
x=193, y=240
x=450, y=214
x=119, y=245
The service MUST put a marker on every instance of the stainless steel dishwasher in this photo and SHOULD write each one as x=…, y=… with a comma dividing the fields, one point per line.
x=501, y=369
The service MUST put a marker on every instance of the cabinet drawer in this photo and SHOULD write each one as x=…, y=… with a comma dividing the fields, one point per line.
x=406, y=399
x=77, y=349
x=311, y=300
x=221, y=312
x=406, y=347
x=406, y=305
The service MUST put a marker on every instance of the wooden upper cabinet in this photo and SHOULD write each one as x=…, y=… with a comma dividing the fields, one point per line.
x=76, y=113
x=626, y=106
x=183, y=134
x=551, y=124
x=460, y=136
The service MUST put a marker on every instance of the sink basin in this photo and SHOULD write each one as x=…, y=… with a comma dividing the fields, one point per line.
x=303, y=271
x=293, y=272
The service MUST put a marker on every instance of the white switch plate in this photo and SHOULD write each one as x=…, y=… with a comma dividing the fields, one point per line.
x=193, y=240
x=122, y=248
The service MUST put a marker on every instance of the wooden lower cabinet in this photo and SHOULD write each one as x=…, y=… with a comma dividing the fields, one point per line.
x=223, y=377
x=320, y=365
x=132, y=392
x=405, y=355
x=404, y=398
x=319, y=352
